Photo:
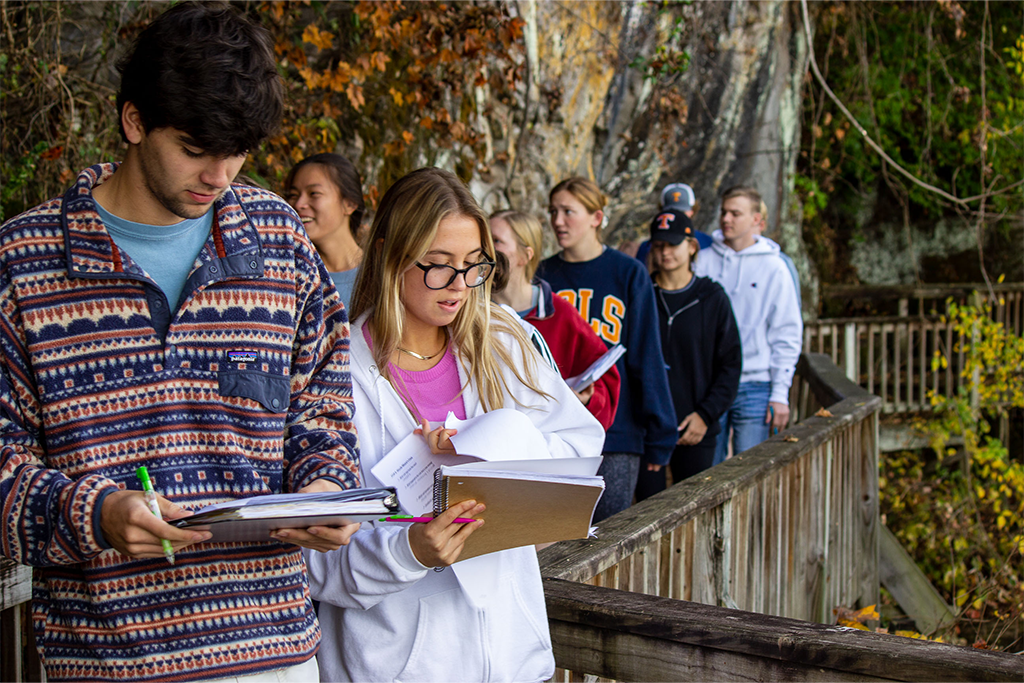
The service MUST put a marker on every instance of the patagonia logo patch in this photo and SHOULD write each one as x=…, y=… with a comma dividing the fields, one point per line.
x=242, y=356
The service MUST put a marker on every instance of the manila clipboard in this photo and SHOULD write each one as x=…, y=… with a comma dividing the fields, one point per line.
x=523, y=508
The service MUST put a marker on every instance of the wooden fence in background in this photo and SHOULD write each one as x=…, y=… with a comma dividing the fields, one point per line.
x=681, y=586
x=891, y=355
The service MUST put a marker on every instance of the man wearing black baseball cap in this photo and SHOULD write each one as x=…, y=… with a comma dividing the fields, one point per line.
x=700, y=344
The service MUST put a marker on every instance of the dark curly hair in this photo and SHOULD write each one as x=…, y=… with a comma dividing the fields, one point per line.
x=202, y=68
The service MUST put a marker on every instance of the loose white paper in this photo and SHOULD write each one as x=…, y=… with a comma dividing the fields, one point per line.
x=596, y=369
x=409, y=468
x=502, y=434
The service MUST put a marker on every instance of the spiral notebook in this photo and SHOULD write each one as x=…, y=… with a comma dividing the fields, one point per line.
x=528, y=501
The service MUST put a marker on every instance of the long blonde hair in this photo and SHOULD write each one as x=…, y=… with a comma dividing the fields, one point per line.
x=529, y=233
x=403, y=229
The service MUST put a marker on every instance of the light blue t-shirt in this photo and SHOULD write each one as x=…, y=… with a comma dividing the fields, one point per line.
x=166, y=252
x=344, y=281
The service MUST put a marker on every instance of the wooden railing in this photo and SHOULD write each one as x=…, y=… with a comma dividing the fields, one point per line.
x=633, y=637
x=18, y=659
x=891, y=355
x=788, y=528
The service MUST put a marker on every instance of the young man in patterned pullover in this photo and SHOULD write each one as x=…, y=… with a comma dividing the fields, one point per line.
x=159, y=315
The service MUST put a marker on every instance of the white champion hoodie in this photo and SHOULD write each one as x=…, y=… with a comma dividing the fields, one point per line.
x=764, y=302
x=384, y=616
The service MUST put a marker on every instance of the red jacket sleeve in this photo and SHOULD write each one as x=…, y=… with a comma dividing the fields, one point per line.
x=575, y=346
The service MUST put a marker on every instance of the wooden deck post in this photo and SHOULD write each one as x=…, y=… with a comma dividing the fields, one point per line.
x=851, y=352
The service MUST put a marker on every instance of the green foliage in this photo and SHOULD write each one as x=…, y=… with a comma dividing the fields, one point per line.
x=813, y=199
x=911, y=74
x=55, y=103
x=668, y=60
x=962, y=516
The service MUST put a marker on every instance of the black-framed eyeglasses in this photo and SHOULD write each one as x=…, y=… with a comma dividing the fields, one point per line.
x=440, y=276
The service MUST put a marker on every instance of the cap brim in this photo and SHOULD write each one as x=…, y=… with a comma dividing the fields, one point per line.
x=674, y=240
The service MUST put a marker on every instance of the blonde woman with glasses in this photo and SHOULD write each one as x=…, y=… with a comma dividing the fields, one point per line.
x=425, y=341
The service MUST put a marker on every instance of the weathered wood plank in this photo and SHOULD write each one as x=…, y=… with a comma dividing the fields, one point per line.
x=704, y=562
x=870, y=524
x=11, y=666
x=628, y=657
x=767, y=637
x=910, y=587
x=686, y=573
x=15, y=584
x=740, y=550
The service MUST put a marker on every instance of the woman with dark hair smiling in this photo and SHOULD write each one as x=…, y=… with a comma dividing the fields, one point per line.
x=326, y=192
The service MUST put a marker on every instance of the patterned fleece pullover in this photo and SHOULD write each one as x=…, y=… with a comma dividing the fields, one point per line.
x=248, y=394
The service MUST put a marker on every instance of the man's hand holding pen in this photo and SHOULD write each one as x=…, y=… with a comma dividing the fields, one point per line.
x=133, y=530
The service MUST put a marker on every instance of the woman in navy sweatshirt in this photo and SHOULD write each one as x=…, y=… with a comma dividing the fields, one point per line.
x=613, y=293
x=701, y=345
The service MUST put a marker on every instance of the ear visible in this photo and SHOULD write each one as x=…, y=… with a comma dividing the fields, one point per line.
x=348, y=207
x=131, y=120
x=598, y=218
x=529, y=253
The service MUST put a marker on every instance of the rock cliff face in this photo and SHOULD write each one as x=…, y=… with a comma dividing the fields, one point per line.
x=732, y=117
x=632, y=94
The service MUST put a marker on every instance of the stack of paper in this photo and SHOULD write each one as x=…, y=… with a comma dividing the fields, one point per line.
x=252, y=519
x=528, y=501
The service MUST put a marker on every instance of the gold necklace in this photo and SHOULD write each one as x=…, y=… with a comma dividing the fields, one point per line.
x=433, y=355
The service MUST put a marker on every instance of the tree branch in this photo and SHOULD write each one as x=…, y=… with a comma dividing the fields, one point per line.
x=867, y=138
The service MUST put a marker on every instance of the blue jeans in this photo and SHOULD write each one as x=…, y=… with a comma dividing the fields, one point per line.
x=746, y=417
x=620, y=472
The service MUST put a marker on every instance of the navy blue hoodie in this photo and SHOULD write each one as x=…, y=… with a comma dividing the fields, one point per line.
x=613, y=293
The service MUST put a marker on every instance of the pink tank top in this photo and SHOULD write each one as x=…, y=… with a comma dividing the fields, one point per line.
x=434, y=392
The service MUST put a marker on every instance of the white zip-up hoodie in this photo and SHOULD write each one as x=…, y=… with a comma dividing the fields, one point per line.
x=764, y=302
x=384, y=616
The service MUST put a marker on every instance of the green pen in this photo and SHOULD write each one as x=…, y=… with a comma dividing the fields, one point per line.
x=147, y=489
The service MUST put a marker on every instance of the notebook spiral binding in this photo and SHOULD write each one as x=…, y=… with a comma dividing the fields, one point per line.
x=440, y=499
x=440, y=493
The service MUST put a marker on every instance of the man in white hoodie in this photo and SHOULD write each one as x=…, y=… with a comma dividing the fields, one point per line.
x=764, y=301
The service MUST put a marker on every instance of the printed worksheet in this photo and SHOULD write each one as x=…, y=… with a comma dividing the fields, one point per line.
x=499, y=435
